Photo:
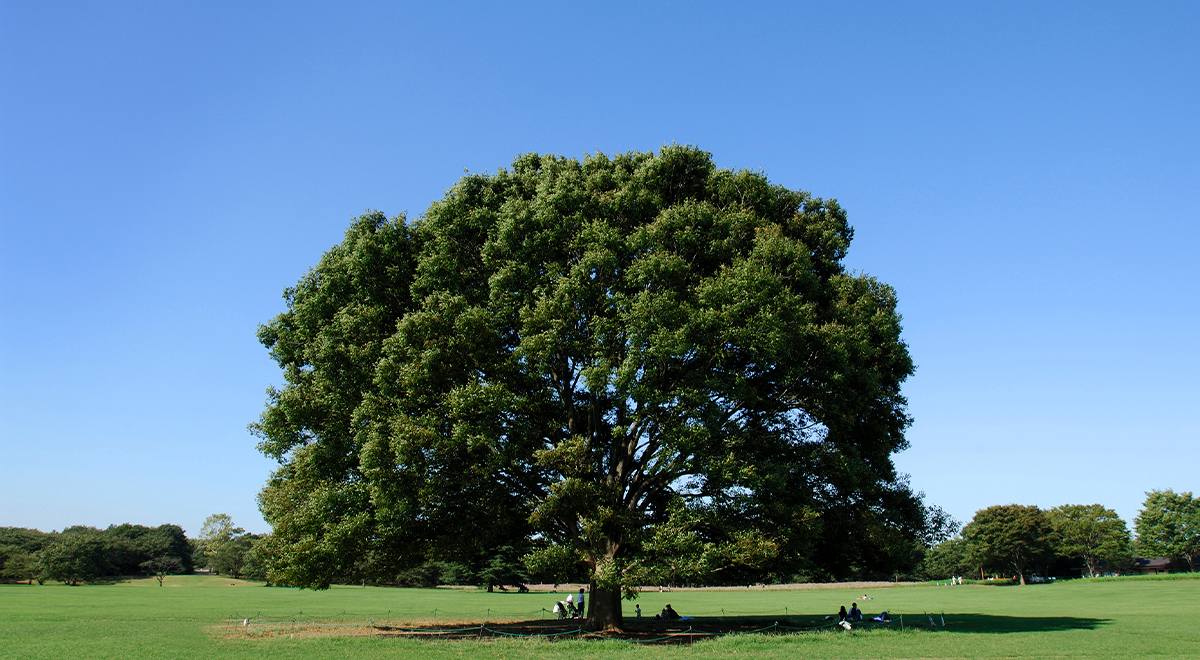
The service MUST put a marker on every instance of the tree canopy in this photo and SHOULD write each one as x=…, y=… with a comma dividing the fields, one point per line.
x=637, y=368
x=1009, y=536
x=1169, y=526
x=1092, y=533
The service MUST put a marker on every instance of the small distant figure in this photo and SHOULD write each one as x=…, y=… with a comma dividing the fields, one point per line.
x=668, y=613
x=841, y=615
x=638, y=609
x=855, y=613
x=863, y=597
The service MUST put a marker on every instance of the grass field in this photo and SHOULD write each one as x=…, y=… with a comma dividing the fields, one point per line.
x=192, y=617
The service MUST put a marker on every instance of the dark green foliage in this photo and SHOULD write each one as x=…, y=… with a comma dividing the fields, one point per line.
x=1093, y=534
x=593, y=363
x=503, y=568
x=226, y=549
x=254, y=562
x=424, y=576
x=1009, y=537
x=950, y=558
x=131, y=546
x=76, y=555
x=450, y=572
x=18, y=547
x=82, y=554
x=161, y=567
x=19, y=566
x=28, y=540
x=1169, y=526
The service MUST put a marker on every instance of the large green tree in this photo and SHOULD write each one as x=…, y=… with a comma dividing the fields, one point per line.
x=1009, y=536
x=639, y=367
x=1092, y=533
x=76, y=555
x=225, y=548
x=1169, y=526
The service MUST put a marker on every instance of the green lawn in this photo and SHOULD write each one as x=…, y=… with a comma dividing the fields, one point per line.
x=190, y=618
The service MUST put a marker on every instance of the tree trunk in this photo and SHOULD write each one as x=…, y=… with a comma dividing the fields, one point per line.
x=604, y=610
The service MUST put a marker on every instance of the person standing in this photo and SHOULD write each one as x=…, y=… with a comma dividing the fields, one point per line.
x=579, y=603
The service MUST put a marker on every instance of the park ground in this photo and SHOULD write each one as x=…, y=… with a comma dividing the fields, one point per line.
x=210, y=616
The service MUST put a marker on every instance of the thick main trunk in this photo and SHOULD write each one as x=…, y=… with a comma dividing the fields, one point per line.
x=604, y=610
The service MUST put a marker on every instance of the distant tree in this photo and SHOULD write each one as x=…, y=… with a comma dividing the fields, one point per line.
x=939, y=526
x=254, y=566
x=19, y=566
x=161, y=567
x=231, y=555
x=501, y=569
x=950, y=558
x=424, y=576
x=1009, y=536
x=1092, y=533
x=76, y=555
x=130, y=546
x=219, y=545
x=450, y=572
x=1169, y=526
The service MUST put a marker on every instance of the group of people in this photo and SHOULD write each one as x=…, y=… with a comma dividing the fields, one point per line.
x=855, y=614
x=572, y=607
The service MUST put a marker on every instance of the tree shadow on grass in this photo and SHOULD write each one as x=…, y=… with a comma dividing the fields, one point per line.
x=971, y=622
x=951, y=622
x=649, y=629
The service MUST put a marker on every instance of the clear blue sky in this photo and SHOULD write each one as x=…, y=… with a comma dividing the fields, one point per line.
x=1025, y=174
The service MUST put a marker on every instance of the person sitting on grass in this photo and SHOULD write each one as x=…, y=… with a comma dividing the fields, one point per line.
x=842, y=615
x=883, y=617
x=562, y=609
x=855, y=613
x=668, y=614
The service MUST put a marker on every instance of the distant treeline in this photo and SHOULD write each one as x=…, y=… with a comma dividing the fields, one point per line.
x=81, y=553
x=87, y=554
x=1014, y=541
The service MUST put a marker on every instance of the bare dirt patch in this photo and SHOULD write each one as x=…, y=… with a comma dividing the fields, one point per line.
x=642, y=631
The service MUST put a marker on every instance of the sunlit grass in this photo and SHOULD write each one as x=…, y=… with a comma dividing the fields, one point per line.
x=203, y=616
